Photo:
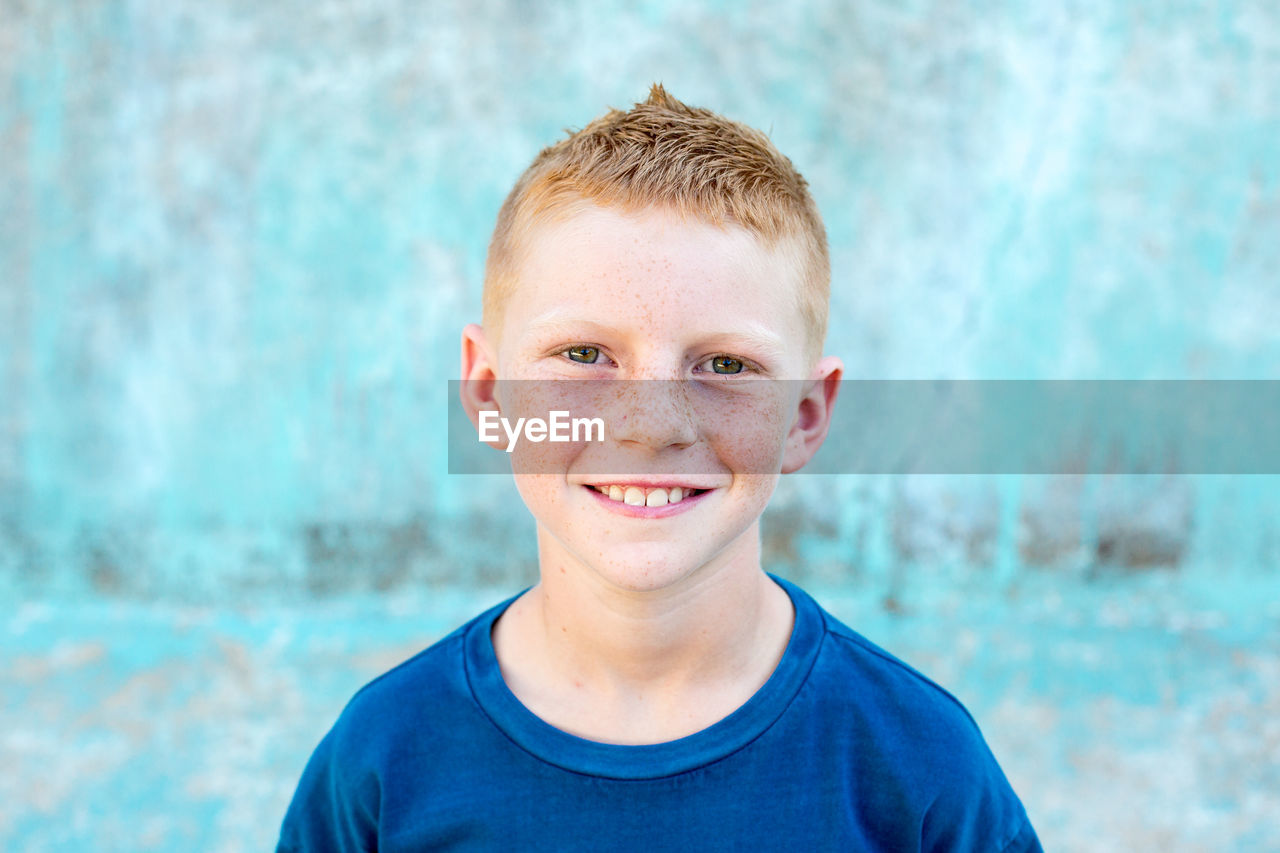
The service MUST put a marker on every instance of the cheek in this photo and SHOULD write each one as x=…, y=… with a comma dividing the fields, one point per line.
x=541, y=494
x=545, y=458
x=534, y=489
x=747, y=431
x=552, y=405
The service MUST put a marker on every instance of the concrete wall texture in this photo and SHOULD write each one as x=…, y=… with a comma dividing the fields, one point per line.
x=237, y=244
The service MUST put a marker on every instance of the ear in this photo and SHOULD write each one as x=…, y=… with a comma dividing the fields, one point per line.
x=478, y=389
x=813, y=414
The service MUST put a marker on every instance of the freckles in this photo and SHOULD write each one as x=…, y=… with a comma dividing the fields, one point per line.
x=530, y=458
x=747, y=434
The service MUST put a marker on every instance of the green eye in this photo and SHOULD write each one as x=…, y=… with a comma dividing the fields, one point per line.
x=583, y=354
x=725, y=364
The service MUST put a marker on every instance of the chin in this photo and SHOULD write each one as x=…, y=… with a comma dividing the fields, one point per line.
x=646, y=573
x=625, y=561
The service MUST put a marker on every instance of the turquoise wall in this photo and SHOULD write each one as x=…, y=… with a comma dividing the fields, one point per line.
x=237, y=244
x=240, y=242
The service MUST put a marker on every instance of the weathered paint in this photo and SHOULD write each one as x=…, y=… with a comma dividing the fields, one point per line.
x=237, y=242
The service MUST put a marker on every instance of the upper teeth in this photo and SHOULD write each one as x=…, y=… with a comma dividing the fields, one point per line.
x=643, y=495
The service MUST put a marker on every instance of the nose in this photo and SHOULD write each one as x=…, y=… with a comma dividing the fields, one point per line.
x=654, y=413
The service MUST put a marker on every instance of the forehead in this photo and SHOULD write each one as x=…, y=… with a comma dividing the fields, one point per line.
x=656, y=271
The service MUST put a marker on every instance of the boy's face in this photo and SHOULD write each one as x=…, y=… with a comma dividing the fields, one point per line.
x=606, y=294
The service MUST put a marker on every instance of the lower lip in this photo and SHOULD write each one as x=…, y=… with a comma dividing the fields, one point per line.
x=624, y=508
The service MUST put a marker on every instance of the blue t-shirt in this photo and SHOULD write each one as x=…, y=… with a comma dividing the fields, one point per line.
x=844, y=748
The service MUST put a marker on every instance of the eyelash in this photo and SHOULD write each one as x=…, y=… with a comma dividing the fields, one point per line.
x=748, y=366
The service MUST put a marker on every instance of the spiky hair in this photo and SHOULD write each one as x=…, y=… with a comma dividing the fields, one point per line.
x=665, y=154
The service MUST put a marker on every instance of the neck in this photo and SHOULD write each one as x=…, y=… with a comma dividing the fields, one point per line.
x=705, y=620
x=625, y=664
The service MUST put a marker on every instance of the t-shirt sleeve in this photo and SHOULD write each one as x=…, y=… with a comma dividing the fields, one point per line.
x=1024, y=842
x=334, y=809
x=976, y=808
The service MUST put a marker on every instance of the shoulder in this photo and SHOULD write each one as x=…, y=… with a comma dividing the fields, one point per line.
x=880, y=682
x=387, y=713
x=383, y=734
x=873, y=687
x=917, y=749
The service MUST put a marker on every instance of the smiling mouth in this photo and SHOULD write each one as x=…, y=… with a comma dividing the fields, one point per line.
x=650, y=496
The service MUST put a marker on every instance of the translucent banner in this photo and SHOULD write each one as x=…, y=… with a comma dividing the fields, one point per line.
x=756, y=426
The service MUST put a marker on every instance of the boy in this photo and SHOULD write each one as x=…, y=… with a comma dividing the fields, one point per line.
x=657, y=689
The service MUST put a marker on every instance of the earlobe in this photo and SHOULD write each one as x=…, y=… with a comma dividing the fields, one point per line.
x=478, y=389
x=813, y=414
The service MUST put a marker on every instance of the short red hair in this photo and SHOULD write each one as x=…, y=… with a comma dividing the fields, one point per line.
x=665, y=154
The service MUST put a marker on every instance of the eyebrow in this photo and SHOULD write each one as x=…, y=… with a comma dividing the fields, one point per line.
x=557, y=320
x=755, y=336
